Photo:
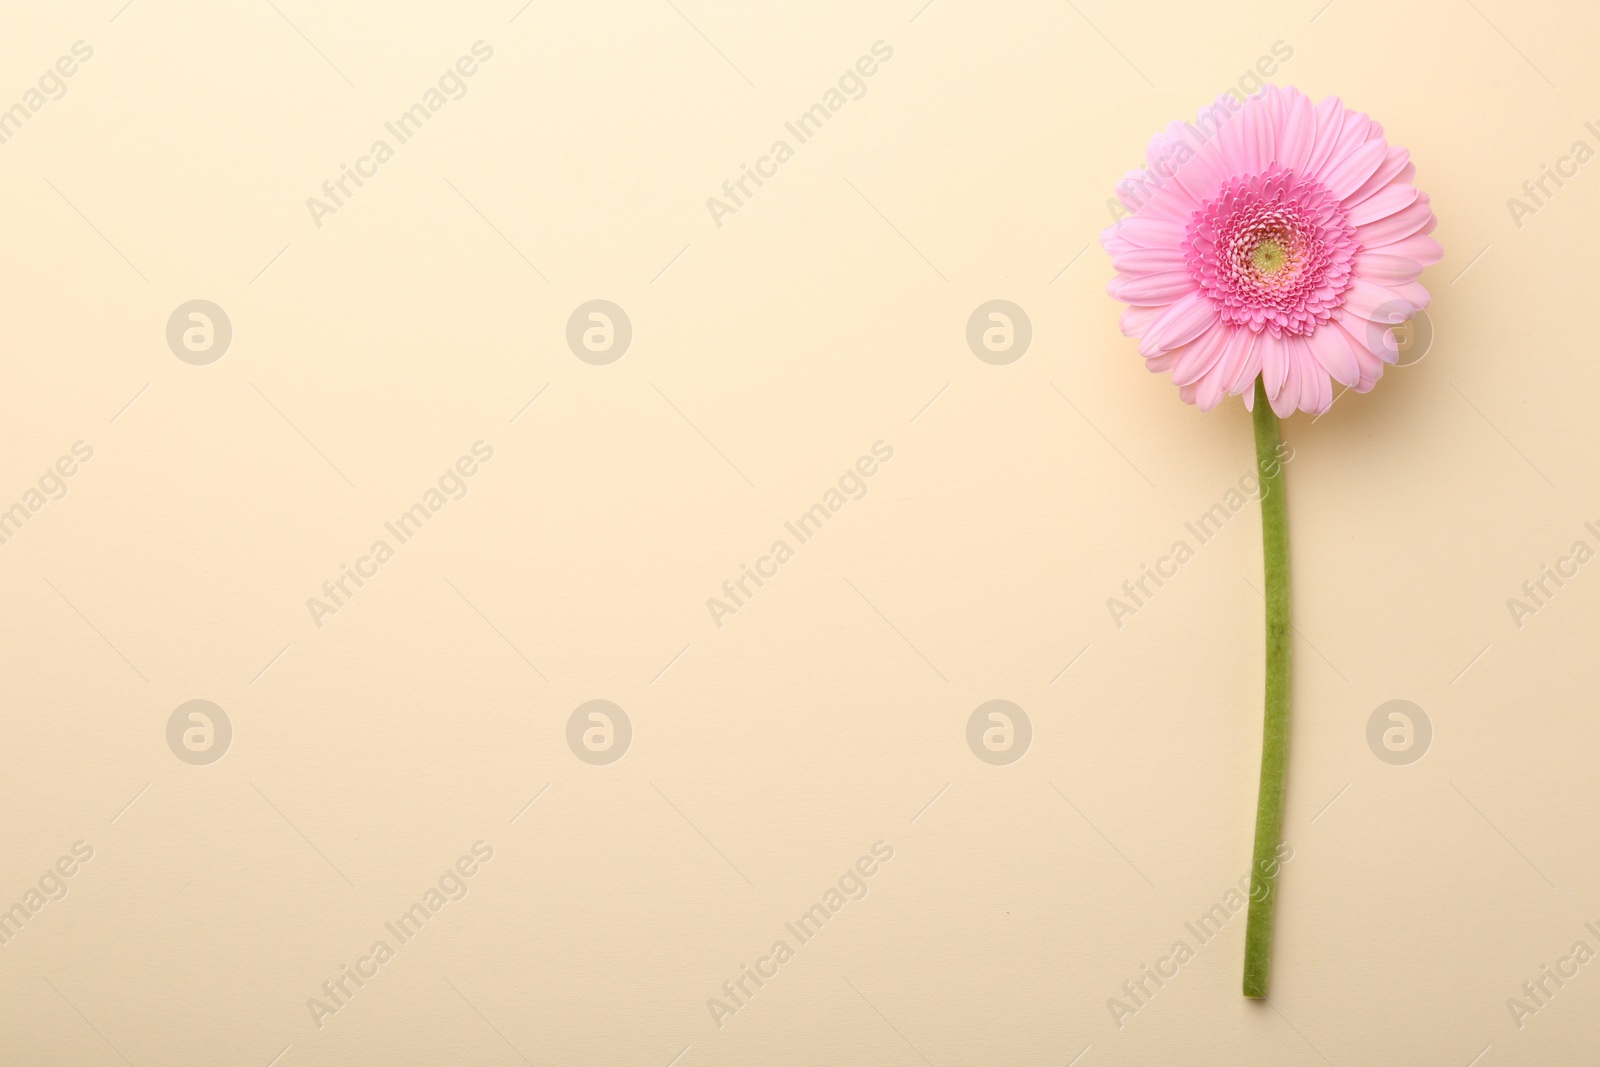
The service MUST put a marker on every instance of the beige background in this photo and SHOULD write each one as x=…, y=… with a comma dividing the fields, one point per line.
x=768, y=354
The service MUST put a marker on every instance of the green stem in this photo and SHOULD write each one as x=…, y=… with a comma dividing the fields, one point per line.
x=1275, y=731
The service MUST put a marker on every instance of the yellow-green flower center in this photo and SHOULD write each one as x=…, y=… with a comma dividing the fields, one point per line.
x=1269, y=257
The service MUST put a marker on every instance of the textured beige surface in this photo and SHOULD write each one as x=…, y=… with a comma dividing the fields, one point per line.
x=769, y=353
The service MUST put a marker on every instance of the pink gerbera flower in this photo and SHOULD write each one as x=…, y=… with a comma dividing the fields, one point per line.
x=1273, y=238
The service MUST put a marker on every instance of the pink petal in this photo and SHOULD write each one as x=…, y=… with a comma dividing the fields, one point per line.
x=1376, y=338
x=1402, y=223
x=1309, y=383
x=1243, y=357
x=1371, y=366
x=1330, y=121
x=1346, y=175
x=1354, y=131
x=1186, y=163
x=1210, y=389
x=1148, y=231
x=1297, y=137
x=1207, y=170
x=1420, y=247
x=1113, y=241
x=1179, y=324
x=1381, y=205
x=1136, y=321
x=1162, y=287
x=1390, y=170
x=1247, y=142
x=1367, y=300
x=1316, y=391
x=1274, y=362
x=1141, y=191
x=1331, y=349
x=1287, y=398
x=1162, y=152
x=1163, y=363
x=1413, y=293
x=1148, y=260
x=1386, y=269
x=1200, y=355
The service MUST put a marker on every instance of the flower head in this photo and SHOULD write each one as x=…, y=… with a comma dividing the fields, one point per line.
x=1274, y=239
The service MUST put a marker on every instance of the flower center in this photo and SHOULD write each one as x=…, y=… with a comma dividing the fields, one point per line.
x=1268, y=257
x=1273, y=252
